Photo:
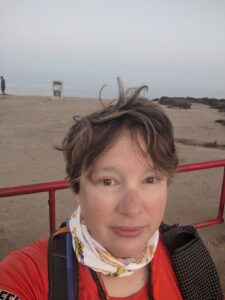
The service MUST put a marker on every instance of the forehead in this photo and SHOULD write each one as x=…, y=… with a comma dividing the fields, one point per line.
x=125, y=148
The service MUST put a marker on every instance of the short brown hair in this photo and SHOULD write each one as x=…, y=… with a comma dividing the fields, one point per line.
x=92, y=134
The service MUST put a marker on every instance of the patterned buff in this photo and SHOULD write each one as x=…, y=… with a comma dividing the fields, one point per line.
x=90, y=253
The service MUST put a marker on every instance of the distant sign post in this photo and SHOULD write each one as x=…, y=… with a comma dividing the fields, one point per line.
x=57, y=89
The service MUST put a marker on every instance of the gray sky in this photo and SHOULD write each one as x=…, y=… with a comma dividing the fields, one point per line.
x=177, y=47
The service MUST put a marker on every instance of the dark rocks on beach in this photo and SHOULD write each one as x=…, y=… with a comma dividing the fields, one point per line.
x=186, y=102
x=175, y=102
x=221, y=121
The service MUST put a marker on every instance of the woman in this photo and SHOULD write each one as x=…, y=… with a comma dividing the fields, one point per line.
x=119, y=161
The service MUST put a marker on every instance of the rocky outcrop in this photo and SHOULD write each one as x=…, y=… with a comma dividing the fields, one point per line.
x=176, y=102
x=185, y=102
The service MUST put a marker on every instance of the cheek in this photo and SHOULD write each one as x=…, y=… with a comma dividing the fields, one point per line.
x=95, y=205
x=157, y=202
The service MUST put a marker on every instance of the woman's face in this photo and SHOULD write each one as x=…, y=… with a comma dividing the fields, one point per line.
x=123, y=198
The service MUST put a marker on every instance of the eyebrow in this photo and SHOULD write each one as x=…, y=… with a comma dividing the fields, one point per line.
x=105, y=169
x=112, y=169
x=92, y=173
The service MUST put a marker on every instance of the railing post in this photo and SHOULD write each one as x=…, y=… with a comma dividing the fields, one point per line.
x=222, y=199
x=51, y=203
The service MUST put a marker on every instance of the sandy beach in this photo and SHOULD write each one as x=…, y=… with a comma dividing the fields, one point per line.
x=30, y=126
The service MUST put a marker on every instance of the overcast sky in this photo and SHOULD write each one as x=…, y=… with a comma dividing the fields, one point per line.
x=175, y=46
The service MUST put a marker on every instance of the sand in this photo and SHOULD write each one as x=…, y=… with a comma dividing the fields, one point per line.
x=31, y=126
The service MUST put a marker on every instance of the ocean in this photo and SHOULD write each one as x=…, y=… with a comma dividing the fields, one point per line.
x=74, y=85
x=89, y=85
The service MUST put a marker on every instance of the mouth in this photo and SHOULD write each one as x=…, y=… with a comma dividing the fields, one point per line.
x=128, y=232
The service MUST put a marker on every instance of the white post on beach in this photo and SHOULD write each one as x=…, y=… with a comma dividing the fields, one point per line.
x=57, y=89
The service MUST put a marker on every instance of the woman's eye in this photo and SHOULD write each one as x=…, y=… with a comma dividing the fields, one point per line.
x=151, y=179
x=107, y=181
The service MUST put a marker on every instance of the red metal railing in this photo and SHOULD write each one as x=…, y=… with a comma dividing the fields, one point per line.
x=52, y=187
x=208, y=165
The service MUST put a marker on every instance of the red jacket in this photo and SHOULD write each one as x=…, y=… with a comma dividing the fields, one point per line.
x=24, y=275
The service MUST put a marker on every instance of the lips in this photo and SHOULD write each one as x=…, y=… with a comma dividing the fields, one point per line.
x=128, y=232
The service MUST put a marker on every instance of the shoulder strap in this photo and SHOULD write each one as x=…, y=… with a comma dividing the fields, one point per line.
x=62, y=267
x=195, y=270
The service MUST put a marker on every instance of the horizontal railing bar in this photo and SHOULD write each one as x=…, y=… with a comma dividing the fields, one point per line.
x=34, y=188
x=201, y=165
x=64, y=184
x=208, y=223
x=53, y=186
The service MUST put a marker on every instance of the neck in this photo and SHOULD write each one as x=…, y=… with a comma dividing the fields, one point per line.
x=125, y=286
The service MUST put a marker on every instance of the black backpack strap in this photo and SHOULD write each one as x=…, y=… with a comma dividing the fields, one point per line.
x=195, y=270
x=58, y=272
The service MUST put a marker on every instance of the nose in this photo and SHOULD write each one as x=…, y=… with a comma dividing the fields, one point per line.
x=130, y=204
